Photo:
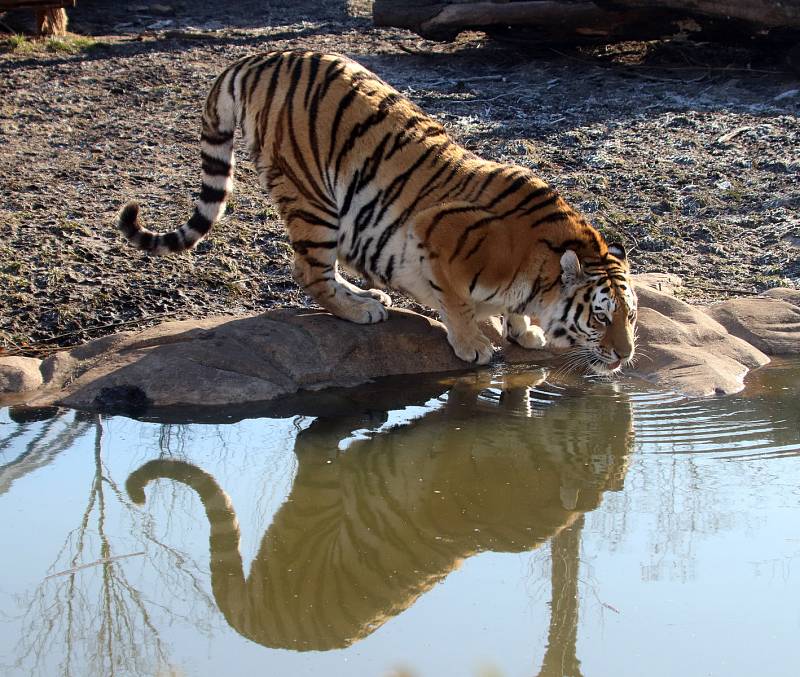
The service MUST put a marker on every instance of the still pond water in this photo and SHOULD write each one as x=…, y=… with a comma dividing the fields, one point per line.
x=498, y=525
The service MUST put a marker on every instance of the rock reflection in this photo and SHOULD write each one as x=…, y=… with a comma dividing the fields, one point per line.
x=497, y=466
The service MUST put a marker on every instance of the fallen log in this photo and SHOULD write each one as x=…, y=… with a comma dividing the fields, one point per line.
x=765, y=13
x=583, y=21
x=557, y=22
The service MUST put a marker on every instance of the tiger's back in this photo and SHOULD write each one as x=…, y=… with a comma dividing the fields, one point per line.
x=364, y=178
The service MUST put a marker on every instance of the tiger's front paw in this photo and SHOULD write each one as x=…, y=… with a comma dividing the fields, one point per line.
x=520, y=330
x=533, y=338
x=380, y=296
x=475, y=349
x=371, y=312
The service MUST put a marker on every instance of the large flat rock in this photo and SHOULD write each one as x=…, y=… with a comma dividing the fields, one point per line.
x=222, y=361
x=681, y=348
x=770, y=324
x=229, y=361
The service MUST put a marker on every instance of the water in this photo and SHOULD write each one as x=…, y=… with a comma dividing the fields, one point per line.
x=498, y=525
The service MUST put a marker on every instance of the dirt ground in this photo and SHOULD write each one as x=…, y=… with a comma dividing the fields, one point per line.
x=690, y=154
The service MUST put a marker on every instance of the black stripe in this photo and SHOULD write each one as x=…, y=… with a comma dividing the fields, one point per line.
x=314, y=60
x=172, y=241
x=209, y=194
x=474, y=281
x=550, y=218
x=234, y=71
x=261, y=126
x=462, y=240
x=534, y=291
x=364, y=216
x=491, y=296
x=565, y=314
x=541, y=205
x=316, y=263
x=403, y=138
x=199, y=223
x=214, y=166
x=217, y=137
x=311, y=219
x=475, y=248
x=513, y=188
x=146, y=241
x=484, y=184
x=369, y=169
x=302, y=246
x=564, y=246
x=434, y=285
x=447, y=212
x=389, y=269
x=344, y=104
x=360, y=129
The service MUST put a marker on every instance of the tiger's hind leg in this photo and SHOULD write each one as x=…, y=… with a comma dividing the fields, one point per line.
x=315, y=270
x=377, y=294
x=520, y=330
x=313, y=233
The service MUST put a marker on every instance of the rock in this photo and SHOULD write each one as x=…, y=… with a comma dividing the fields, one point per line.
x=239, y=361
x=162, y=10
x=19, y=375
x=785, y=294
x=224, y=360
x=683, y=349
x=663, y=282
x=770, y=324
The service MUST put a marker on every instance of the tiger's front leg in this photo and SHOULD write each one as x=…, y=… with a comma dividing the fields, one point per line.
x=463, y=332
x=520, y=330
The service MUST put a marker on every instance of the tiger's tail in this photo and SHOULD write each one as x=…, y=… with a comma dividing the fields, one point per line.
x=216, y=153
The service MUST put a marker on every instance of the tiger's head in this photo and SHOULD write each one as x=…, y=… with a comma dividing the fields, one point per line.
x=595, y=315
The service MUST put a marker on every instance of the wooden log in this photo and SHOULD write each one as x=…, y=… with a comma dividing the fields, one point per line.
x=34, y=4
x=582, y=21
x=51, y=22
x=557, y=22
x=765, y=13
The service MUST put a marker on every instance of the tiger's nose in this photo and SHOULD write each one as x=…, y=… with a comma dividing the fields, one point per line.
x=623, y=355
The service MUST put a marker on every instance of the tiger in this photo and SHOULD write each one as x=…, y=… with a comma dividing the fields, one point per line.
x=366, y=181
x=365, y=532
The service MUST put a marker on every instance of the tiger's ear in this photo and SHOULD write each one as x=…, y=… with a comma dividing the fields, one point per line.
x=617, y=249
x=570, y=268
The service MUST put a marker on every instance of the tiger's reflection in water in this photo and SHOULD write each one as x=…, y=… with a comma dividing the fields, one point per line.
x=365, y=531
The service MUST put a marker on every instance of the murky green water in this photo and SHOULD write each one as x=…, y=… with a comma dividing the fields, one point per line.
x=501, y=525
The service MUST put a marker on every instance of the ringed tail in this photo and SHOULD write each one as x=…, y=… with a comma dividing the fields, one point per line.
x=216, y=153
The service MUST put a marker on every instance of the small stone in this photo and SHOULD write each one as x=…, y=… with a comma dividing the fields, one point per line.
x=160, y=25
x=19, y=375
x=162, y=10
x=788, y=94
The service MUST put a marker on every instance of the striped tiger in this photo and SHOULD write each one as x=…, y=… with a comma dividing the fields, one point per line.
x=366, y=532
x=366, y=180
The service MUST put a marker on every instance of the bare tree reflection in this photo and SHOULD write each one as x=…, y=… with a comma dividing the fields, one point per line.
x=87, y=610
x=57, y=430
x=560, y=658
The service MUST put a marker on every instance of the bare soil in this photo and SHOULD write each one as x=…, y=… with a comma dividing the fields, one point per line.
x=690, y=154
